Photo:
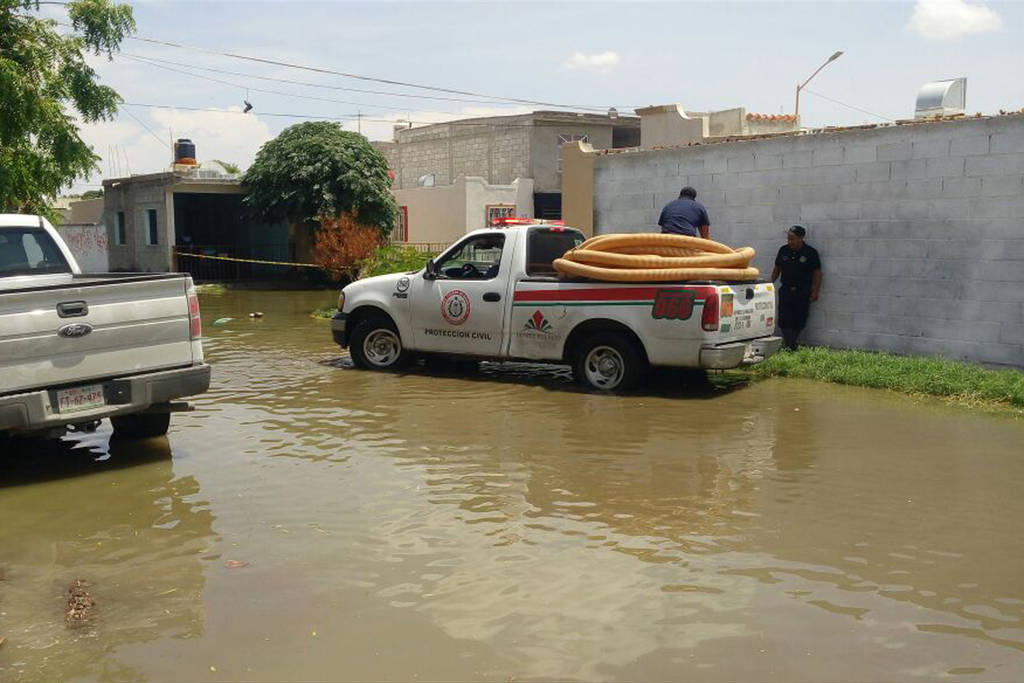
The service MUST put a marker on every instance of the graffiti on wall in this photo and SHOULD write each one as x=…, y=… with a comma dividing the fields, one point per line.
x=88, y=244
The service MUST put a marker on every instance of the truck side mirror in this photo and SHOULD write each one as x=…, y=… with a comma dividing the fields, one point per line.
x=431, y=271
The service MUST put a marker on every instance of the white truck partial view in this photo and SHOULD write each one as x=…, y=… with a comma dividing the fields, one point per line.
x=75, y=349
x=495, y=295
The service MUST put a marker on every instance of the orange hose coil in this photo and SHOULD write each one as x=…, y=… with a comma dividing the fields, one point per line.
x=656, y=257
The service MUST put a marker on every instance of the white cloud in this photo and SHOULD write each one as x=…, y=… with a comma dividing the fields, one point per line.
x=598, y=61
x=125, y=146
x=952, y=19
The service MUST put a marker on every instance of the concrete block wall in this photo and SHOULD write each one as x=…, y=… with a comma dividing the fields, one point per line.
x=920, y=227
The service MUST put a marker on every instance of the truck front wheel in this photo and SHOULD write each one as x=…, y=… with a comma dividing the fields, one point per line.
x=141, y=425
x=608, y=361
x=376, y=345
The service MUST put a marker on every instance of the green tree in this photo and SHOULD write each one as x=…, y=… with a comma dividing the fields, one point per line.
x=44, y=84
x=317, y=169
x=92, y=194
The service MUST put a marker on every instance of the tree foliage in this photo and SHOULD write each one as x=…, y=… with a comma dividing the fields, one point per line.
x=318, y=169
x=341, y=245
x=44, y=83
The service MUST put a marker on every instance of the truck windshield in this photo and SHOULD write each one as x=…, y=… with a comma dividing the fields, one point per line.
x=29, y=251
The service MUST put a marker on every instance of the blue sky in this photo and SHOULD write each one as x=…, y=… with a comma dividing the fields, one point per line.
x=701, y=55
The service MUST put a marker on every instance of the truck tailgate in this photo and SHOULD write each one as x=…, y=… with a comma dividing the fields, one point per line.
x=746, y=311
x=135, y=326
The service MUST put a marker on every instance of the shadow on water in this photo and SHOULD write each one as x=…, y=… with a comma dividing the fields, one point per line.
x=683, y=383
x=34, y=460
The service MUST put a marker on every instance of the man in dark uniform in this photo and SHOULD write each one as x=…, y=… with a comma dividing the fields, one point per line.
x=800, y=267
x=686, y=216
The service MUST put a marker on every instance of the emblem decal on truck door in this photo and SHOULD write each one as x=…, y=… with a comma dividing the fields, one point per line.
x=673, y=304
x=455, y=307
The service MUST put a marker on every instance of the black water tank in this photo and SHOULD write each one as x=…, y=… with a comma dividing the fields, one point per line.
x=184, y=151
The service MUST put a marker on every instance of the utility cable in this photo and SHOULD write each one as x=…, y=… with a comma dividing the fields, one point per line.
x=346, y=74
x=307, y=84
x=277, y=92
x=148, y=129
x=849, y=106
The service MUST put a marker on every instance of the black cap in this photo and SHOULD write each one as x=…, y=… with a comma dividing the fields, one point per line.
x=798, y=230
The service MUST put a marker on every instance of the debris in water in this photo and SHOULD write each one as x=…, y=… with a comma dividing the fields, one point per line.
x=256, y=314
x=2, y=641
x=222, y=321
x=80, y=604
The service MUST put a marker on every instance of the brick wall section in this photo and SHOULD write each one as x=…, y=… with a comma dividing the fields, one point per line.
x=920, y=227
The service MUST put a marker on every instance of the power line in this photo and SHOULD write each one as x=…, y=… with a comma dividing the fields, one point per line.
x=343, y=117
x=345, y=74
x=148, y=129
x=275, y=92
x=308, y=84
x=373, y=79
x=849, y=106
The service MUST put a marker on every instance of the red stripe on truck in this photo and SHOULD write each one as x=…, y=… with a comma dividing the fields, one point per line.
x=605, y=293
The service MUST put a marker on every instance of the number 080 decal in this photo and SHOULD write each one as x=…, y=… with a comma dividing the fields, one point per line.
x=673, y=304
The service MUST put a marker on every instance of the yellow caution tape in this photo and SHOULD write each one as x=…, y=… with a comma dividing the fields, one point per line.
x=247, y=260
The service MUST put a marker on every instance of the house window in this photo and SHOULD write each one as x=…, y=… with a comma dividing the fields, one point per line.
x=152, y=236
x=495, y=212
x=119, y=236
x=565, y=138
x=401, y=231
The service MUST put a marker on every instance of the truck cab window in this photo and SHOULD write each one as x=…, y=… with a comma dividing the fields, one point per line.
x=544, y=245
x=476, y=259
x=28, y=251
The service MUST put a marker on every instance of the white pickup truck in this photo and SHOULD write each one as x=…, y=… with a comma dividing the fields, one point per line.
x=494, y=294
x=75, y=349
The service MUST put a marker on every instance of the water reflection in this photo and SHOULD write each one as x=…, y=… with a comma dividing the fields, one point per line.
x=116, y=516
x=496, y=522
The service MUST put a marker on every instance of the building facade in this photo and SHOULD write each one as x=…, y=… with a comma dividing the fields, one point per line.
x=497, y=151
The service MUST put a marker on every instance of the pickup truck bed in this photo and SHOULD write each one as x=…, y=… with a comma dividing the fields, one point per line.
x=77, y=348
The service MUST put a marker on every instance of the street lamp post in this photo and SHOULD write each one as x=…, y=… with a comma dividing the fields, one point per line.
x=834, y=57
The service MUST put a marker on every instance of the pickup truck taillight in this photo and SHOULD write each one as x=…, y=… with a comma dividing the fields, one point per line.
x=195, y=324
x=709, y=315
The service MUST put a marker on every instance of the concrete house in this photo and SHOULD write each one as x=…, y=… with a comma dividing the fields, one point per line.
x=460, y=175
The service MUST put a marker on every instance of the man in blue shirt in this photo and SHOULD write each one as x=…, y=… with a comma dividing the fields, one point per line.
x=686, y=216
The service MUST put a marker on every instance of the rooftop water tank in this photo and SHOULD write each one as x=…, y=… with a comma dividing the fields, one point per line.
x=942, y=98
x=184, y=152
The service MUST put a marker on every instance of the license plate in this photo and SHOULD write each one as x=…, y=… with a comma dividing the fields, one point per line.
x=76, y=399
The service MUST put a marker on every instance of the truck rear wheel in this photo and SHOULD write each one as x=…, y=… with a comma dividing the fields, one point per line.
x=141, y=425
x=376, y=345
x=608, y=361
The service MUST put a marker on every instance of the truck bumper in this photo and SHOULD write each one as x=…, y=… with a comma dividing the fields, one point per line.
x=734, y=354
x=339, y=329
x=37, y=410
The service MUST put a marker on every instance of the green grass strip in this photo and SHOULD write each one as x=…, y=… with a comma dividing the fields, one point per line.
x=924, y=375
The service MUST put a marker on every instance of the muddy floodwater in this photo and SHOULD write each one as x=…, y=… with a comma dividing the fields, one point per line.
x=314, y=522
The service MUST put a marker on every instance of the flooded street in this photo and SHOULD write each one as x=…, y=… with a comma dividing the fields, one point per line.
x=311, y=522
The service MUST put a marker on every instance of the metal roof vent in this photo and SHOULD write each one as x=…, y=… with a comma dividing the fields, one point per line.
x=942, y=98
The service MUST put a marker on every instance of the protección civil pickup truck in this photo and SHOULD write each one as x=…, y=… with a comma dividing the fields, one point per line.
x=495, y=295
x=75, y=349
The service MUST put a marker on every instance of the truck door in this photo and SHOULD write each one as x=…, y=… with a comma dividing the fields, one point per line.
x=462, y=311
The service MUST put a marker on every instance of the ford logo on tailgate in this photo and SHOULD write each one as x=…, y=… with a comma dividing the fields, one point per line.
x=75, y=330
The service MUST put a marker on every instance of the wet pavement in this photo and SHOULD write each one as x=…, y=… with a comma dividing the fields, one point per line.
x=313, y=522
